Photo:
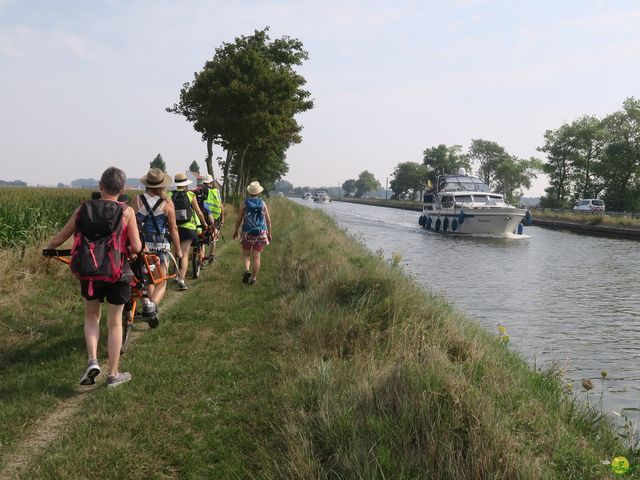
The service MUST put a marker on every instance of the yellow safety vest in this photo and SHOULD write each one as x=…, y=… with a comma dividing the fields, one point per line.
x=213, y=202
x=195, y=221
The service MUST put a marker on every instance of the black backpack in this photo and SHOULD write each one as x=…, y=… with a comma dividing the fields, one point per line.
x=99, y=249
x=182, y=204
x=201, y=195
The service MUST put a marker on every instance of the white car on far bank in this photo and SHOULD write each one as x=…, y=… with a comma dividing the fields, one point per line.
x=590, y=205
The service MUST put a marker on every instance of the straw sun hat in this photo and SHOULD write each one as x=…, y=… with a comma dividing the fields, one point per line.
x=181, y=180
x=156, y=178
x=254, y=188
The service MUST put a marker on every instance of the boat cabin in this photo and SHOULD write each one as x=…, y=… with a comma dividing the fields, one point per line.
x=461, y=183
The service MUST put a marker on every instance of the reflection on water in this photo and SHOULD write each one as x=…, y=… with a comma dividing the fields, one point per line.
x=562, y=296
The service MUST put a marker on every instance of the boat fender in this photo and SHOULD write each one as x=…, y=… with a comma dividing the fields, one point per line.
x=421, y=220
x=454, y=224
x=527, y=218
x=429, y=222
x=461, y=217
x=445, y=224
x=520, y=228
x=438, y=222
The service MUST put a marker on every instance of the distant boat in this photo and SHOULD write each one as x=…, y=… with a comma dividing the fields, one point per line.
x=321, y=196
x=463, y=204
x=307, y=196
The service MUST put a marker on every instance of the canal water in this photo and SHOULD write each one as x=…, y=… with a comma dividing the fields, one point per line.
x=563, y=297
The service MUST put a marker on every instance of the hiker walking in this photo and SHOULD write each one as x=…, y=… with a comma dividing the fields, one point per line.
x=156, y=218
x=256, y=231
x=105, y=234
x=210, y=201
x=188, y=214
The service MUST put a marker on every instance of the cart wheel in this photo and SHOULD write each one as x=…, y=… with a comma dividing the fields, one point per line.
x=153, y=322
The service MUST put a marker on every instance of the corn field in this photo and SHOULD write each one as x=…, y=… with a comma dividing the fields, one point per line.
x=31, y=214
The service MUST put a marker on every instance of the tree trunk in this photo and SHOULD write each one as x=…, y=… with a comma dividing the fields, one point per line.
x=209, y=159
x=241, y=173
x=225, y=185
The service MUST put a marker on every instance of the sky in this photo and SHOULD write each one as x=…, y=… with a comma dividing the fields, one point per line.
x=84, y=85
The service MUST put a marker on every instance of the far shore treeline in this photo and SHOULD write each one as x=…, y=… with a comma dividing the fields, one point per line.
x=590, y=157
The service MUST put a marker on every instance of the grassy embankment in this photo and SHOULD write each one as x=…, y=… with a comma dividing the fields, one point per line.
x=586, y=217
x=334, y=365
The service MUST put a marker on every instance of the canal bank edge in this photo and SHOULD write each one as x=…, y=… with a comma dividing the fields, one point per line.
x=397, y=380
x=587, y=228
x=598, y=228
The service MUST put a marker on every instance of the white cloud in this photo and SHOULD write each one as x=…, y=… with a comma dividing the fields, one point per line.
x=22, y=41
x=618, y=21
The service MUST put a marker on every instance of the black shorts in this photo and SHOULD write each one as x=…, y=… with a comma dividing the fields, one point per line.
x=187, y=234
x=117, y=293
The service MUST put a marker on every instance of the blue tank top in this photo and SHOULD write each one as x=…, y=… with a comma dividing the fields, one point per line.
x=152, y=239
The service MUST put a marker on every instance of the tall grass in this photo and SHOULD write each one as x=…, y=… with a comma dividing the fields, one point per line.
x=333, y=366
x=28, y=214
x=395, y=383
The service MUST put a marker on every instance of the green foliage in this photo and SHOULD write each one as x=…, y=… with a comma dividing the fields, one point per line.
x=245, y=100
x=366, y=183
x=350, y=187
x=593, y=157
x=621, y=163
x=158, y=162
x=503, y=172
x=490, y=156
x=444, y=160
x=283, y=186
x=409, y=180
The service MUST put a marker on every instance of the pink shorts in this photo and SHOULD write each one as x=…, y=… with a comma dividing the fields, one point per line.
x=254, y=242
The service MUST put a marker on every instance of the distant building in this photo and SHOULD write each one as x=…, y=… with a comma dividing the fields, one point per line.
x=15, y=183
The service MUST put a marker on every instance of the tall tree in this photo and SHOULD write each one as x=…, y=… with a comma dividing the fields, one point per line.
x=158, y=162
x=489, y=155
x=283, y=186
x=245, y=100
x=574, y=155
x=514, y=174
x=349, y=187
x=409, y=180
x=587, y=143
x=366, y=183
x=620, y=168
x=559, y=168
x=501, y=171
x=444, y=160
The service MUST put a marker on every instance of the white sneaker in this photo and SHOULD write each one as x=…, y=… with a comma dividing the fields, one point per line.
x=90, y=373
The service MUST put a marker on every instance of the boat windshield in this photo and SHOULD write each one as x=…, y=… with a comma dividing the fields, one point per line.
x=461, y=184
x=492, y=198
x=464, y=199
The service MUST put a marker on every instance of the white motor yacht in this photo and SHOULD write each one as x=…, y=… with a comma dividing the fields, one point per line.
x=321, y=196
x=463, y=204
